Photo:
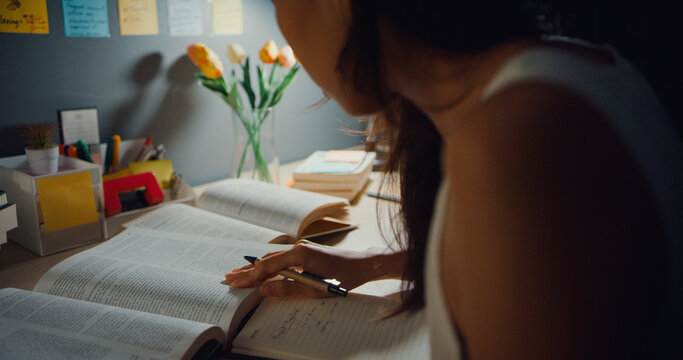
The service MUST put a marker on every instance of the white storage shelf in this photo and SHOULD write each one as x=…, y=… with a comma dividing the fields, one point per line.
x=20, y=184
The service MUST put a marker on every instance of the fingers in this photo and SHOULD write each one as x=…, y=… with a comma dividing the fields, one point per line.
x=236, y=279
x=301, y=254
x=249, y=266
x=245, y=267
x=282, y=288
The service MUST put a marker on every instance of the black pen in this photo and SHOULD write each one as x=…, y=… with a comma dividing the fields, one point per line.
x=306, y=278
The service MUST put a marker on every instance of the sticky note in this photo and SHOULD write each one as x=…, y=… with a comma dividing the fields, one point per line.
x=66, y=200
x=85, y=18
x=119, y=174
x=227, y=17
x=162, y=169
x=352, y=156
x=184, y=17
x=29, y=17
x=138, y=17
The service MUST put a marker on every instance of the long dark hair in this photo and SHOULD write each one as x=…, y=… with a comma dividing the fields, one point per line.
x=415, y=144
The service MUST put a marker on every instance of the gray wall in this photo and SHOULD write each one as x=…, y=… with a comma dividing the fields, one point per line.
x=143, y=85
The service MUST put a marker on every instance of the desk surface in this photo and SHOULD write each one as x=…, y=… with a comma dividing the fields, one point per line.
x=22, y=269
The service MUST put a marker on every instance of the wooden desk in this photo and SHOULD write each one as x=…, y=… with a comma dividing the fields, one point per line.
x=22, y=269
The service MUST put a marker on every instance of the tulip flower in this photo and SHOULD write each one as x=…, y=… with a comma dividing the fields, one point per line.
x=236, y=53
x=252, y=107
x=286, y=57
x=269, y=52
x=206, y=60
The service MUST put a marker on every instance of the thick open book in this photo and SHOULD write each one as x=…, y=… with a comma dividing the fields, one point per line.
x=148, y=294
x=251, y=210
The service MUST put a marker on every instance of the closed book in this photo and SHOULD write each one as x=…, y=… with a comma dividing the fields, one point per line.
x=332, y=189
x=315, y=168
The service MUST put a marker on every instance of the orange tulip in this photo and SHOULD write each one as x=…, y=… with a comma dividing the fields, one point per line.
x=206, y=60
x=286, y=57
x=268, y=53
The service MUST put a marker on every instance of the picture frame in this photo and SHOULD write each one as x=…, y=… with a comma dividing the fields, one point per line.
x=79, y=124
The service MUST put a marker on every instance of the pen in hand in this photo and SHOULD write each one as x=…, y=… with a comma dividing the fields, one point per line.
x=308, y=279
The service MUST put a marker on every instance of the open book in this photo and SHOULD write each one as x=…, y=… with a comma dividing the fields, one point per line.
x=242, y=209
x=150, y=294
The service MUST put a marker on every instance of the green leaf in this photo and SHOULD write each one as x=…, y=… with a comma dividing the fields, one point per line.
x=214, y=86
x=263, y=85
x=246, y=83
x=273, y=71
x=233, y=98
x=279, y=92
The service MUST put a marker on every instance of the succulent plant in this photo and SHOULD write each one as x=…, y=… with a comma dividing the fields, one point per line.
x=39, y=136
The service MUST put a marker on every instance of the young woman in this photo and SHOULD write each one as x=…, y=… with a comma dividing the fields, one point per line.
x=540, y=178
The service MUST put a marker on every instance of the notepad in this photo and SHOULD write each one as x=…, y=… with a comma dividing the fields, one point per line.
x=66, y=200
x=333, y=328
x=162, y=169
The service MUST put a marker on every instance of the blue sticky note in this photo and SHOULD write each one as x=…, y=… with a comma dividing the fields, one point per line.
x=184, y=17
x=85, y=18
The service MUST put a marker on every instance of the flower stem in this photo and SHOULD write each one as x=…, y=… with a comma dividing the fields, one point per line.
x=253, y=129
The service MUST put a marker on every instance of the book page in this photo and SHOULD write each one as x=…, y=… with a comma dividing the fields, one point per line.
x=167, y=274
x=189, y=220
x=279, y=208
x=41, y=326
x=333, y=328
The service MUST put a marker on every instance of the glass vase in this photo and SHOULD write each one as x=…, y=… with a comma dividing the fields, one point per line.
x=254, y=152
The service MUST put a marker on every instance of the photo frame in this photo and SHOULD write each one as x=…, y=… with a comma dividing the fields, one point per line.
x=79, y=124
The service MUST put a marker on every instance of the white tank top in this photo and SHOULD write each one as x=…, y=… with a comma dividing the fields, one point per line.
x=625, y=99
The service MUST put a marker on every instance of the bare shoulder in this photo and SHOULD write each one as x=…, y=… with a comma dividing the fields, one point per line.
x=546, y=212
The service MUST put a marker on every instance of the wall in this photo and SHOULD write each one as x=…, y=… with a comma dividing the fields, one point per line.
x=143, y=85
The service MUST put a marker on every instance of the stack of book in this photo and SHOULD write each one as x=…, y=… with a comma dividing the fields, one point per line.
x=8, y=217
x=342, y=173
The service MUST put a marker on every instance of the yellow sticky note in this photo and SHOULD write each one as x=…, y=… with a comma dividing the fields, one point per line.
x=66, y=200
x=227, y=17
x=119, y=174
x=28, y=17
x=138, y=17
x=162, y=169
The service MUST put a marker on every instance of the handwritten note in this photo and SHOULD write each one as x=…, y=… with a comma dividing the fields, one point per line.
x=80, y=124
x=25, y=16
x=85, y=18
x=184, y=17
x=138, y=17
x=227, y=17
x=350, y=327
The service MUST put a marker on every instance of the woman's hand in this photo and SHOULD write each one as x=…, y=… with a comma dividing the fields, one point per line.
x=351, y=268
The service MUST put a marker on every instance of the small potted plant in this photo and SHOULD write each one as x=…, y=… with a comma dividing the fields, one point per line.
x=42, y=153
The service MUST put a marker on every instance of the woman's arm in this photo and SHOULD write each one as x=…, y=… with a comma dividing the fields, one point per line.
x=549, y=229
x=351, y=268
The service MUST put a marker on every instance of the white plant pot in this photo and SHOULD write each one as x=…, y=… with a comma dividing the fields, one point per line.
x=43, y=161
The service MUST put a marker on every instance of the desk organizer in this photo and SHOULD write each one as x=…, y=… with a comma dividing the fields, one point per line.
x=127, y=152
x=8, y=217
x=21, y=188
x=33, y=232
x=112, y=224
